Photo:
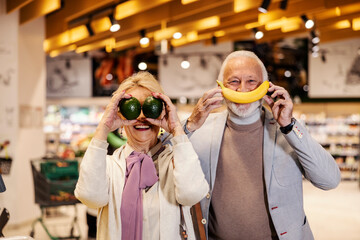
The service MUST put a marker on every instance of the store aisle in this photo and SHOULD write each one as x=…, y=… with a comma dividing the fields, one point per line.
x=333, y=215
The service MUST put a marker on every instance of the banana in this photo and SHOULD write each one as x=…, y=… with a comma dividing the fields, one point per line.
x=244, y=97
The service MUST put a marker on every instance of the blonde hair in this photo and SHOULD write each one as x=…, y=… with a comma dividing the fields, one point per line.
x=239, y=54
x=141, y=79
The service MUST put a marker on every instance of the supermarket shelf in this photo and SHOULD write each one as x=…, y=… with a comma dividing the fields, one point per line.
x=79, y=102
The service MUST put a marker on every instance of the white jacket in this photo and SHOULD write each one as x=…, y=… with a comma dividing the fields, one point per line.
x=101, y=182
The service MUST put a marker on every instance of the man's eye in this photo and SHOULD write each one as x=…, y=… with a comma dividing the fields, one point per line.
x=233, y=81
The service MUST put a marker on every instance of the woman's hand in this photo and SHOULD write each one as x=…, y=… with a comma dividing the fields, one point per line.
x=169, y=120
x=111, y=119
x=282, y=109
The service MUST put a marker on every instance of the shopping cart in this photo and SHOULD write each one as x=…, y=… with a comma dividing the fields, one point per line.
x=54, y=185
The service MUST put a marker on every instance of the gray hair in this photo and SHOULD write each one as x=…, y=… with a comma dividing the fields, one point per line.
x=239, y=54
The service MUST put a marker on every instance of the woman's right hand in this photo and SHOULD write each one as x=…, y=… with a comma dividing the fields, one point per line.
x=111, y=119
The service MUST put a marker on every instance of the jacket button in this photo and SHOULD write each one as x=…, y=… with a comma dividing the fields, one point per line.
x=203, y=221
x=208, y=195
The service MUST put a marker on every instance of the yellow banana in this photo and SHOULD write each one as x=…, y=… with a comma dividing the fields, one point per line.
x=244, y=97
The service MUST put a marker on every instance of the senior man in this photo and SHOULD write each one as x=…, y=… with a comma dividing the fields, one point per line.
x=254, y=159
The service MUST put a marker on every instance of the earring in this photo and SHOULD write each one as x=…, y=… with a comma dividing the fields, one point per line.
x=121, y=133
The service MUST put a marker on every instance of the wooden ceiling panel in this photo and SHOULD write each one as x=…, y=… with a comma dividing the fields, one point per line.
x=38, y=8
x=237, y=18
x=57, y=22
x=13, y=5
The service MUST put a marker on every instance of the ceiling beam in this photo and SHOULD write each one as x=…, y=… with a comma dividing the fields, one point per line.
x=57, y=22
x=38, y=8
x=13, y=5
x=336, y=3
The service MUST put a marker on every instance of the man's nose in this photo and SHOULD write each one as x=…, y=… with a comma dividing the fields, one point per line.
x=242, y=88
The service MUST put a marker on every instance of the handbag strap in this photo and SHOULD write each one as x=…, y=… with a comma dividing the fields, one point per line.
x=199, y=228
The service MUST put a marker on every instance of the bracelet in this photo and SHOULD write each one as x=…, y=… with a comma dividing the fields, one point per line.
x=289, y=127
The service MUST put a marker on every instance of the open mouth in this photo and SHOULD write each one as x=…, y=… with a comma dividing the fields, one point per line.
x=142, y=127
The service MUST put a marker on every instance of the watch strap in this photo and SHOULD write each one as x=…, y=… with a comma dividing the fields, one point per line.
x=286, y=129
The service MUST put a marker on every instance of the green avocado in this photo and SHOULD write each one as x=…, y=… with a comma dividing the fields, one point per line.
x=130, y=108
x=152, y=107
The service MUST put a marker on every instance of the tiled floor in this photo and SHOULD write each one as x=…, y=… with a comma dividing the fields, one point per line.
x=333, y=215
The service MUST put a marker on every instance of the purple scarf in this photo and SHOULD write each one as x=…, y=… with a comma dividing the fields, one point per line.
x=140, y=173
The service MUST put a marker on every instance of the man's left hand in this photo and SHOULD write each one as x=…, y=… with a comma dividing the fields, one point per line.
x=282, y=108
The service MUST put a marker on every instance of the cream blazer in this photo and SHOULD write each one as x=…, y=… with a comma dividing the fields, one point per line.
x=101, y=182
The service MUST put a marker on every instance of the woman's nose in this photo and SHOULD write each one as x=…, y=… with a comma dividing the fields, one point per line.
x=141, y=116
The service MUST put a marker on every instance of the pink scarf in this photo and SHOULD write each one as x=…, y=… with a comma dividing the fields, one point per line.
x=140, y=173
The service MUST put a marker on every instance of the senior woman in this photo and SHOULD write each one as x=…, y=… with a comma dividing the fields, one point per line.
x=139, y=189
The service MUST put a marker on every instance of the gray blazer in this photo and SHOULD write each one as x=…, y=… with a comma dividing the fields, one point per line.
x=286, y=159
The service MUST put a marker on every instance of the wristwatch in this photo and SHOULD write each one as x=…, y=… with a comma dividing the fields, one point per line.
x=288, y=128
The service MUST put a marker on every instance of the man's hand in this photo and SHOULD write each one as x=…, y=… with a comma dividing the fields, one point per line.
x=282, y=109
x=204, y=106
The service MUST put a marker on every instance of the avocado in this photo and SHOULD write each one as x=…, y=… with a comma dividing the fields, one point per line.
x=130, y=108
x=152, y=107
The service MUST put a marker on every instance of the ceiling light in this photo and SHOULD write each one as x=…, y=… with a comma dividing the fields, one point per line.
x=314, y=38
x=144, y=41
x=177, y=35
x=342, y=24
x=287, y=73
x=338, y=11
x=185, y=64
x=142, y=66
x=308, y=22
x=315, y=54
x=306, y=88
x=356, y=24
x=315, y=48
x=115, y=26
x=258, y=34
x=264, y=6
x=283, y=4
x=109, y=77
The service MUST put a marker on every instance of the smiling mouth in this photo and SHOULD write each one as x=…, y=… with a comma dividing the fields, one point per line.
x=142, y=127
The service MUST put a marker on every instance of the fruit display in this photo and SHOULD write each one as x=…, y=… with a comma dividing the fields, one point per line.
x=130, y=108
x=152, y=107
x=245, y=97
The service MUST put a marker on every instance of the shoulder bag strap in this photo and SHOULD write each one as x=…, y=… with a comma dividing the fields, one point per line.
x=199, y=228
